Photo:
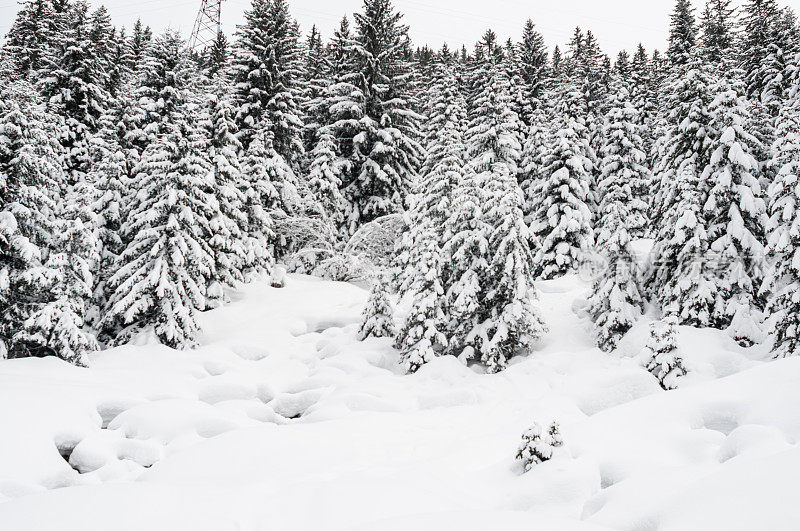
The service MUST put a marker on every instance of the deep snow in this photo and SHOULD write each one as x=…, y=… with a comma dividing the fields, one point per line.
x=283, y=420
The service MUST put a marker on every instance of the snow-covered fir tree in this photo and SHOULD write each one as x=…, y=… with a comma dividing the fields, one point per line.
x=683, y=33
x=506, y=320
x=163, y=272
x=266, y=69
x=377, y=319
x=441, y=173
x=259, y=195
x=616, y=300
x=40, y=291
x=562, y=222
x=325, y=178
x=735, y=211
x=783, y=279
x=386, y=153
x=223, y=148
x=29, y=40
x=422, y=336
x=72, y=79
x=680, y=275
x=662, y=358
x=539, y=444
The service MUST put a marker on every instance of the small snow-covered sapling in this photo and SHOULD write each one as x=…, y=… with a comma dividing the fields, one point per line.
x=537, y=445
x=662, y=357
x=377, y=320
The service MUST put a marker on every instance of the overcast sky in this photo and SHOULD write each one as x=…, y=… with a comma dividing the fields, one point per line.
x=617, y=24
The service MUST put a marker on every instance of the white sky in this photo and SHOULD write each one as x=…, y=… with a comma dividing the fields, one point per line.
x=617, y=24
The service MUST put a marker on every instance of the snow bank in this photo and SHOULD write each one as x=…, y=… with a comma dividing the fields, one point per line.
x=283, y=420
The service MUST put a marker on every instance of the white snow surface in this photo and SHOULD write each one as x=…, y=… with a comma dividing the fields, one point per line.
x=283, y=420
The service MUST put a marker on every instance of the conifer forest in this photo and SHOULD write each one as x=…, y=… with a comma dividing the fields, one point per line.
x=288, y=280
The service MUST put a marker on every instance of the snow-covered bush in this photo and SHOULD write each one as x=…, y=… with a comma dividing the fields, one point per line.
x=538, y=445
x=377, y=318
x=375, y=241
x=662, y=357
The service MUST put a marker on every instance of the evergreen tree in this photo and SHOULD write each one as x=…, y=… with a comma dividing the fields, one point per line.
x=662, y=357
x=324, y=179
x=385, y=149
x=616, y=300
x=140, y=39
x=783, y=280
x=215, y=56
x=73, y=83
x=29, y=41
x=735, y=212
x=683, y=33
x=227, y=240
x=317, y=72
x=440, y=175
x=507, y=321
x=39, y=294
x=563, y=220
x=533, y=63
x=717, y=26
x=758, y=25
x=377, y=318
x=679, y=277
x=422, y=336
x=162, y=274
x=259, y=196
x=539, y=445
x=266, y=73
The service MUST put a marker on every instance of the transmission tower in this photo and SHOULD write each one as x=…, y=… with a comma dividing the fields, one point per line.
x=207, y=25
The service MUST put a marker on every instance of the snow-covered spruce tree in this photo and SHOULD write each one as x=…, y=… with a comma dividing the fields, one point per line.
x=783, y=279
x=72, y=81
x=109, y=176
x=215, y=57
x=386, y=154
x=227, y=240
x=764, y=51
x=440, y=175
x=31, y=37
x=533, y=64
x=424, y=272
x=531, y=167
x=266, y=67
x=506, y=320
x=163, y=272
x=735, y=211
x=679, y=276
x=141, y=37
x=318, y=73
x=33, y=277
x=259, y=194
x=422, y=336
x=57, y=326
x=377, y=320
x=616, y=300
x=661, y=355
x=325, y=178
x=683, y=33
x=538, y=445
x=717, y=32
x=511, y=322
x=563, y=221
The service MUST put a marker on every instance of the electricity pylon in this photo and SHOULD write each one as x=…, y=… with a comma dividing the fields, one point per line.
x=207, y=25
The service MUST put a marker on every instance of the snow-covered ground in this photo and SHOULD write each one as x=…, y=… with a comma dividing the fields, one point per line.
x=282, y=420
